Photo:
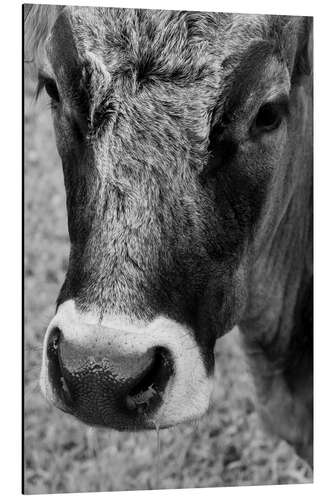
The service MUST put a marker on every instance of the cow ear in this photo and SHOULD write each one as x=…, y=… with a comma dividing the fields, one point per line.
x=304, y=53
x=26, y=9
x=38, y=21
x=299, y=33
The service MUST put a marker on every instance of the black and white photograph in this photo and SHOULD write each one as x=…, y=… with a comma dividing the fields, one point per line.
x=168, y=248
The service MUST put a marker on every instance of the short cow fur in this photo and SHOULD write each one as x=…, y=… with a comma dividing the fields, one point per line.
x=186, y=143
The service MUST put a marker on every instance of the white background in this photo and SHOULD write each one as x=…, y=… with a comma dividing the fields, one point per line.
x=11, y=241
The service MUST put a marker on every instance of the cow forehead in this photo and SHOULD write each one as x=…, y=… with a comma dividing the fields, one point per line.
x=182, y=54
x=168, y=44
x=102, y=29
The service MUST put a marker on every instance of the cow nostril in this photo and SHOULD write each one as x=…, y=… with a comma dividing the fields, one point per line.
x=147, y=393
x=55, y=370
x=54, y=340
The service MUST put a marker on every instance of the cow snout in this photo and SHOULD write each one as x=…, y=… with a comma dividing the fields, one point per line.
x=121, y=373
x=103, y=383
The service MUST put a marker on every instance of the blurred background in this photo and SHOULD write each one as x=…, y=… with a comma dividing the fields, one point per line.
x=227, y=447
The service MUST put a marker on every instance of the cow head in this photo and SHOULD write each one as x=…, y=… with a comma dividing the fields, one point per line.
x=176, y=132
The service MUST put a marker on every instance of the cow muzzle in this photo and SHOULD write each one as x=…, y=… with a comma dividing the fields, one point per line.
x=123, y=375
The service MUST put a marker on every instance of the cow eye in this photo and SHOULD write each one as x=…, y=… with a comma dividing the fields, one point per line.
x=50, y=87
x=269, y=117
x=52, y=90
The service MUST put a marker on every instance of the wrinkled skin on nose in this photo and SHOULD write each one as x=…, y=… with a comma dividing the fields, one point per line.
x=131, y=378
x=107, y=389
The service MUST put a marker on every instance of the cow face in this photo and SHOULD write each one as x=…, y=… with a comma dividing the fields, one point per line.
x=172, y=129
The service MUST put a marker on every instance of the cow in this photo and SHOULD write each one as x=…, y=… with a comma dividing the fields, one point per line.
x=186, y=145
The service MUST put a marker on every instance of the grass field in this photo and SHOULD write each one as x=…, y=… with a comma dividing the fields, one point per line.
x=227, y=447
